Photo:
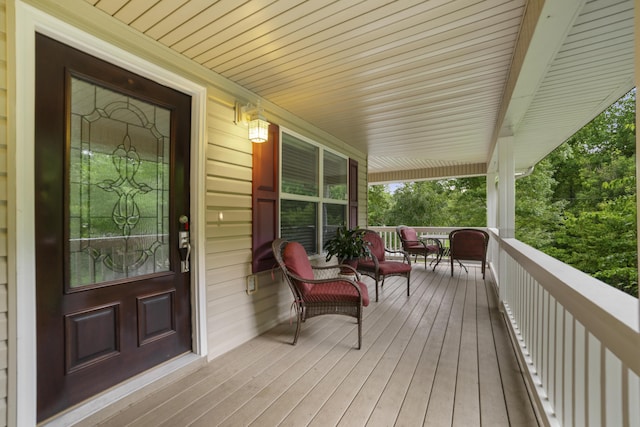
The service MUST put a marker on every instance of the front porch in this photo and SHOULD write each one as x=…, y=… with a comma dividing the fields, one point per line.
x=440, y=357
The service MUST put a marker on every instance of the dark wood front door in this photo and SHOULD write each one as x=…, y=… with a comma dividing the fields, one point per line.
x=112, y=196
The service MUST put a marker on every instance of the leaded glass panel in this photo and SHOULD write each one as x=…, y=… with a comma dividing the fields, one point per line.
x=118, y=186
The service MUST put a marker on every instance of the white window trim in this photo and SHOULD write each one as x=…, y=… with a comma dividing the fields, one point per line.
x=320, y=199
x=22, y=288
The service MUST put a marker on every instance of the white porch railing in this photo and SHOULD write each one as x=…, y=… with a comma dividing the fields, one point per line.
x=579, y=338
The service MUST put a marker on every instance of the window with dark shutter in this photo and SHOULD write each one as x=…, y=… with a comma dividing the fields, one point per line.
x=312, y=199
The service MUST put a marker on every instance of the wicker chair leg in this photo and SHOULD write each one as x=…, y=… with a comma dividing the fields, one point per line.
x=298, y=326
x=408, y=284
x=359, y=328
x=437, y=261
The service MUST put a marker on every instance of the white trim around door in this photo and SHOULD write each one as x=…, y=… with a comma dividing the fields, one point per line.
x=21, y=241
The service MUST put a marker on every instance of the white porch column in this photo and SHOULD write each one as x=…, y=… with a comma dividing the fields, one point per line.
x=506, y=203
x=492, y=200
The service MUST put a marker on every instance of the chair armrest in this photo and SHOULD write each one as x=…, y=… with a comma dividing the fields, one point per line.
x=404, y=254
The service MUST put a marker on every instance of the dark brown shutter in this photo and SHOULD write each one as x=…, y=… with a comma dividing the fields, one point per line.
x=265, y=200
x=353, y=193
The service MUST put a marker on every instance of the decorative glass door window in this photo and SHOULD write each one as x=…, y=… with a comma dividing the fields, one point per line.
x=118, y=186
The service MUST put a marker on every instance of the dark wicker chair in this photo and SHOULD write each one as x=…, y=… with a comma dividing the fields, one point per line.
x=424, y=247
x=468, y=244
x=319, y=290
x=378, y=266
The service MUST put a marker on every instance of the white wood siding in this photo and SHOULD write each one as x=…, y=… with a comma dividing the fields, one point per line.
x=235, y=317
x=3, y=216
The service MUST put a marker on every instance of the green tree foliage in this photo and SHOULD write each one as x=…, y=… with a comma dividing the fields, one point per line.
x=538, y=217
x=430, y=203
x=466, y=202
x=602, y=243
x=598, y=162
x=418, y=204
x=586, y=212
x=379, y=203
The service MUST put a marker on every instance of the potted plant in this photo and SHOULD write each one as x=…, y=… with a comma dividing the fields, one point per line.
x=347, y=245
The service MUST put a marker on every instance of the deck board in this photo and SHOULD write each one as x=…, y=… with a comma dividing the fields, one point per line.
x=466, y=410
x=439, y=357
x=414, y=408
x=493, y=411
x=441, y=401
x=393, y=396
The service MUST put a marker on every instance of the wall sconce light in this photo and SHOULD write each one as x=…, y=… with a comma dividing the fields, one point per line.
x=253, y=117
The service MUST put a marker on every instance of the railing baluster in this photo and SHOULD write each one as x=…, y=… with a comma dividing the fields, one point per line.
x=613, y=389
x=633, y=393
x=568, y=369
x=579, y=375
x=594, y=380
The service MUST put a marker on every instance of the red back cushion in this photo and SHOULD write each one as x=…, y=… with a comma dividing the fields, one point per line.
x=376, y=246
x=409, y=234
x=468, y=244
x=295, y=258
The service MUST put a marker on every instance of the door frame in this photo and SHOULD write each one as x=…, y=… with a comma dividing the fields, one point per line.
x=21, y=201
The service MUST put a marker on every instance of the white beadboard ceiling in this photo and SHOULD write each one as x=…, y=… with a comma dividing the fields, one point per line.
x=420, y=86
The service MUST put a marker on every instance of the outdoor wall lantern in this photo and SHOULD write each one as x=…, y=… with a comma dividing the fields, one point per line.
x=252, y=116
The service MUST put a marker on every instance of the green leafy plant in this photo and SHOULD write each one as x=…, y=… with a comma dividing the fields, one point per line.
x=347, y=244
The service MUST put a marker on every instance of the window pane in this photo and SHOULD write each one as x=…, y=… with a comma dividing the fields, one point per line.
x=300, y=163
x=335, y=176
x=334, y=216
x=118, y=186
x=298, y=223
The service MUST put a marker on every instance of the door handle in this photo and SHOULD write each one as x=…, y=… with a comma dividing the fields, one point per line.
x=184, y=247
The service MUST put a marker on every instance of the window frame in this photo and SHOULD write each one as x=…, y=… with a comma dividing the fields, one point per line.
x=319, y=199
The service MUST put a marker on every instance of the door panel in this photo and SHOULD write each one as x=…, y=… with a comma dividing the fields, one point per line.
x=112, y=176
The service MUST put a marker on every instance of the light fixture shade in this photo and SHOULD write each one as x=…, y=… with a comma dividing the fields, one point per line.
x=258, y=130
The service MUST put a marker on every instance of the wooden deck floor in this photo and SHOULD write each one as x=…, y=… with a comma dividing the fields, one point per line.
x=441, y=357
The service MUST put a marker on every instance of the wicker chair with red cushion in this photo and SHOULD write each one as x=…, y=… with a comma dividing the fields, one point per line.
x=378, y=266
x=319, y=290
x=424, y=247
x=468, y=244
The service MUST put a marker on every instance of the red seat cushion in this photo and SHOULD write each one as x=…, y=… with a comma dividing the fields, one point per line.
x=295, y=258
x=337, y=291
x=391, y=267
x=420, y=248
x=386, y=267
